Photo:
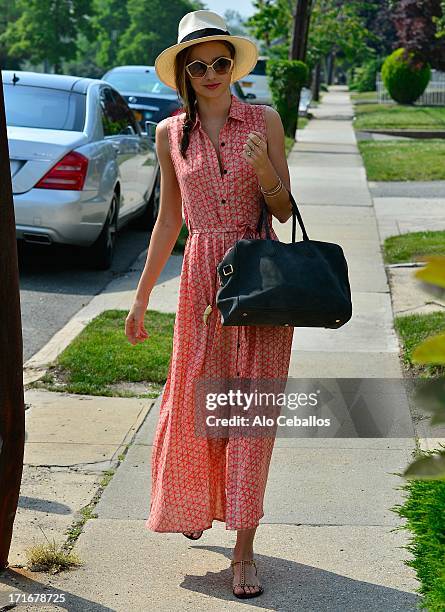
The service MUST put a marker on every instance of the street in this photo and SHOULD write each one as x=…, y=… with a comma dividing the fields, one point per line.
x=55, y=284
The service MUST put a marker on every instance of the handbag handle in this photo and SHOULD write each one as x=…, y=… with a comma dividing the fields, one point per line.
x=295, y=213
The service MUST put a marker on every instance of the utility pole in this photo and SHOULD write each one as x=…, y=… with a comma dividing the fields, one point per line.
x=12, y=406
x=300, y=31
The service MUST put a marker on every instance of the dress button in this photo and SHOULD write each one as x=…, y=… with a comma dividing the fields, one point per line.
x=223, y=143
x=223, y=201
x=225, y=171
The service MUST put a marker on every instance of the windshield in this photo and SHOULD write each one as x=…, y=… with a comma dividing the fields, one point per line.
x=42, y=107
x=137, y=82
x=260, y=68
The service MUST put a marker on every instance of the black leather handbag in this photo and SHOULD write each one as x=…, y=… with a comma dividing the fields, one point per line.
x=296, y=284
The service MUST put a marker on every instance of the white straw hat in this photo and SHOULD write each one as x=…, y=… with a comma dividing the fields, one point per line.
x=202, y=26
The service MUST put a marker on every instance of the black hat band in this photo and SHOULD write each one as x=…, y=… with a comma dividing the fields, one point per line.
x=203, y=32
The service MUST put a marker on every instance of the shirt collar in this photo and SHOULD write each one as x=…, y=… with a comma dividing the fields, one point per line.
x=236, y=111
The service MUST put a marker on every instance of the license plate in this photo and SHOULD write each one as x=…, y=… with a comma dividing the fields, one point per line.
x=246, y=83
x=138, y=115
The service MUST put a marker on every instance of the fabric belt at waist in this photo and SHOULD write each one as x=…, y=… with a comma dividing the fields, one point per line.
x=216, y=230
x=245, y=228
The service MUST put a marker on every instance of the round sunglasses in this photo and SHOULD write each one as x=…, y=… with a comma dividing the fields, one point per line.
x=198, y=69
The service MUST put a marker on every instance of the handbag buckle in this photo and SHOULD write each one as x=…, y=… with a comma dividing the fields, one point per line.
x=228, y=269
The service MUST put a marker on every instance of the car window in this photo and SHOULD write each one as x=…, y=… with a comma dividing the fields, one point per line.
x=137, y=82
x=116, y=115
x=44, y=107
x=260, y=68
x=126, y=111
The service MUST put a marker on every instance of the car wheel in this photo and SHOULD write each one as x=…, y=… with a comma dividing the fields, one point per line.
x=147, y=220
x=102, y=251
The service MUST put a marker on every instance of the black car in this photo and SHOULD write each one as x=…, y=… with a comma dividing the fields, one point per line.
x=146, y=95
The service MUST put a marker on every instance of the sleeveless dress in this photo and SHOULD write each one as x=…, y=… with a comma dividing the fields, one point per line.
x=195, y=480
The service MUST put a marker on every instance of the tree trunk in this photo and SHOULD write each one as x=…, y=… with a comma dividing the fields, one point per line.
x=298, y=45
x=12, y=406
x=316, y=82
x=331, y=65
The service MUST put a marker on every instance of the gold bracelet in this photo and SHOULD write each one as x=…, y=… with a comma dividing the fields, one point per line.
x=271, y=195
x=274, y=190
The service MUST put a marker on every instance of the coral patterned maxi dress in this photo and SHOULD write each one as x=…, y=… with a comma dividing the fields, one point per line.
x=196, y=480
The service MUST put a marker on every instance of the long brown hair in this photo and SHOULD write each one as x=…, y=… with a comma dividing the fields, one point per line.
x=187, y=93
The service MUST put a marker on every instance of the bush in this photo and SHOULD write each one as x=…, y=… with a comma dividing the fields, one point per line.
x=404, y=77
x=365, y=76
x=286, y=78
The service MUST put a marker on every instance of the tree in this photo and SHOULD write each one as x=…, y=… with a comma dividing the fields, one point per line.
x=336, y=27
x=47, y=30
x=12, y=405
x=153, y=27
x=235, y=22
x=300, y=30
x=109, y=22
x=298, y=46
x=418, y=29
x=9, y=13
x=272, y=21
x=377, y=18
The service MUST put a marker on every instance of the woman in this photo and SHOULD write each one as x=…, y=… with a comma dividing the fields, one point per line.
x=219, y=158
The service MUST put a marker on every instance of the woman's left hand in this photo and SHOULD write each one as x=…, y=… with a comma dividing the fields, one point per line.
x=256, y=145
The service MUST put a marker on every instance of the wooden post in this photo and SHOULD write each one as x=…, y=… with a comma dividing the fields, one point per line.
x=12, y=405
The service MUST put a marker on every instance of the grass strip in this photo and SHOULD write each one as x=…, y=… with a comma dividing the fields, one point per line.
x=414, y=329
x=395, y=160
x=399, y=116
x=412, y=246
x=101, y=357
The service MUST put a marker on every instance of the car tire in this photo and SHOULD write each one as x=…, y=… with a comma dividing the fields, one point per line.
x=147, y=219
x=102, y=251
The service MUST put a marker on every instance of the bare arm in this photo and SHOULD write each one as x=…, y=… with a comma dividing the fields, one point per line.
x=169, y=220
x=163, y=237
x=279, y=205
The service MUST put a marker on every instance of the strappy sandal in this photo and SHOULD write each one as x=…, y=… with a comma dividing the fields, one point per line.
x=190, y=537
x=243, y=584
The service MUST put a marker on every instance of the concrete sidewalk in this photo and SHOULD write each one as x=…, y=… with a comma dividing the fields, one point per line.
x=327, y=541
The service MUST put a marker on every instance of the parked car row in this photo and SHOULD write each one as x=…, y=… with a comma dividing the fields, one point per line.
x=82, y=151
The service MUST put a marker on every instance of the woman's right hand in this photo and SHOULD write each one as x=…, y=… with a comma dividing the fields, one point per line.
x=134, y=323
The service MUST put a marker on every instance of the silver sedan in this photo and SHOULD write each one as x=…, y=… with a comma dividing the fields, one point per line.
x=81, y=167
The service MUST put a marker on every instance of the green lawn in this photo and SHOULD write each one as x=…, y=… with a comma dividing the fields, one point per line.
x=419, y=160
x=413, y=245
x=398, y=116
x=363, y=97
x=413, y=329
x=101, y=356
